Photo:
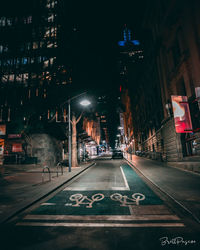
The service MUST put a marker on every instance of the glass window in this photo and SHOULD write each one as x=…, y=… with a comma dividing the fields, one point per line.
x=11, y=77
x=29, y=19
x=51, y=18
x=35, y=45
x=9, y=21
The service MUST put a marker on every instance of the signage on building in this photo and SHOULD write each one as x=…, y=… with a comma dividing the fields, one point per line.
x=14, y=136
x=2, y=129
x=17, y=147
x=181, y=112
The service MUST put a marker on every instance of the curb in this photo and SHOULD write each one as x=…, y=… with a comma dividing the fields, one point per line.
x=45, y=195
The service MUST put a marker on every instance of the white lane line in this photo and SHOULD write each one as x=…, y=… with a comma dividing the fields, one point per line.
x=124, y=177
x=94, y=189
x=48, y=204
x=102, y=217
x=63, y=224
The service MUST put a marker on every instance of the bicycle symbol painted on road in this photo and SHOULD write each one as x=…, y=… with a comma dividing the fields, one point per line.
x=123, y=199
x=126, y=201
x=83, y=199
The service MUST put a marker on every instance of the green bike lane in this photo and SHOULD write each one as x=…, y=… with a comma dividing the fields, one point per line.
x=109, y=194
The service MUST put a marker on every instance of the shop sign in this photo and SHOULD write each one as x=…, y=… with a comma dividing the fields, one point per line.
x=14, y=136
x=181, y=112
x=17, y=147
x=2, y=129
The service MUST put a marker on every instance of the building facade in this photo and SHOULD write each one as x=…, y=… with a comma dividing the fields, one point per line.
x=34, y=76
x=176, y=36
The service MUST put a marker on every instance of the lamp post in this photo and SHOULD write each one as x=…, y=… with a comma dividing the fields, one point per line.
x=83, y=103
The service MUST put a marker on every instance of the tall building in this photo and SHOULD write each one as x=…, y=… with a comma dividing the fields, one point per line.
x=174, y=28
x=34, y=73
x=130, y=60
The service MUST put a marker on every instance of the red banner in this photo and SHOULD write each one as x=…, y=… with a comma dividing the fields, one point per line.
x=17, y=147
x=181, y=112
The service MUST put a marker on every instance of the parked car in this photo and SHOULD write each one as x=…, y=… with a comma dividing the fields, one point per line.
x=117, y=154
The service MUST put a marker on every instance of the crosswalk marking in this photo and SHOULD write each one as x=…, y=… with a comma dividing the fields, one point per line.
x=64, y=224
x=101, y=217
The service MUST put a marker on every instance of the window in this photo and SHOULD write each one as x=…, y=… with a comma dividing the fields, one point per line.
x=46, y=63
x=4, y=78
x=24, y=60
x=51, y=18
x=35, y=45
x=3, y=21
x=19, y=78
x=29, y=19
x=9, y=21
x=11, y=77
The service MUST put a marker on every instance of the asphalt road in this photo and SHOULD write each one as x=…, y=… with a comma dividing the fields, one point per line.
x=109, y=206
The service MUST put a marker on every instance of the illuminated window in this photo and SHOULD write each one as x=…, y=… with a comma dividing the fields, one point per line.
x=24, y=60
x=25, y=77
x=51, y=60
x=51, y=18
x=4, y=78
x=46, y=64
x=11, y=77
x=1, y=48
x=28, y=46
x=9, y=21
x=35, y=45
x=49, y=44
x=29, y=19
x=3, y=21
x=19, y=78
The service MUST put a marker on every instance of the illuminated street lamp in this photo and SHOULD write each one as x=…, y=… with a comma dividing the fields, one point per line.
x=83, y=103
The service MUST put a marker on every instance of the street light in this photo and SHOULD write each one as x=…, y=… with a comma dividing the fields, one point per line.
x=83, y=103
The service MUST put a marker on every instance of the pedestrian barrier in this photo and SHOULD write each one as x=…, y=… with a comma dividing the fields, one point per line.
x=43, y=172
x=61, y=167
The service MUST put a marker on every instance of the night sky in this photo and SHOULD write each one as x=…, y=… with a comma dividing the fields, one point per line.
x=97, y=27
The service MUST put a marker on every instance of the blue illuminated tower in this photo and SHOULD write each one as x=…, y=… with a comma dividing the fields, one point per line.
x=127, y=38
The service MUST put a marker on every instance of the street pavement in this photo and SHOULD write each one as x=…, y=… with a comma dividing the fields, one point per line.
x=23, y=185
x=108, y=206
x=182, y=186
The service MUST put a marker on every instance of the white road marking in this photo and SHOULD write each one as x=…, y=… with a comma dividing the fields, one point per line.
x=124, y=177
x=94, y=189
x=63, y=224
x=102, y=217
x=48, y=204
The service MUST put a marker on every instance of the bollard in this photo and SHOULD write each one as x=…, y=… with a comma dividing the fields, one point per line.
x=61, y=167
x=46, y=167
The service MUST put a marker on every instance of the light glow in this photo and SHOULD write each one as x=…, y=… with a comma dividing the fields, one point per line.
x=85, y=103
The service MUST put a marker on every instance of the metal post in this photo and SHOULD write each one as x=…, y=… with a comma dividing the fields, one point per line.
x=70, y=136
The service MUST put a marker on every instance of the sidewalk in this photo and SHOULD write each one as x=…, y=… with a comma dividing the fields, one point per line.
x=21, y=185
x=183, y=186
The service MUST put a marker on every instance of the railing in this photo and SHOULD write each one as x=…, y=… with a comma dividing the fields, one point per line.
x=61, y=167
x=43, y=172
